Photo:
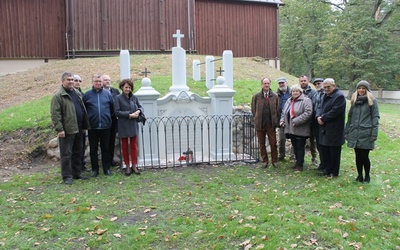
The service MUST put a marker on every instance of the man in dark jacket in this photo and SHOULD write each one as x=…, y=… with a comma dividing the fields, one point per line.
x=69, y=118
x=316, y=100
x=266, y=108
x=331, y=116
x=114, y=124
x=284, y=94
x=77, y=86
x=310, y=93
x=100, y=107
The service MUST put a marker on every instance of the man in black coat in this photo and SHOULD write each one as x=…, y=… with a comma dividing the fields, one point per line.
x=331, y=118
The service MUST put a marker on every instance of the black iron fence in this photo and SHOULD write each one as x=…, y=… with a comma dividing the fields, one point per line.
x=186, y=140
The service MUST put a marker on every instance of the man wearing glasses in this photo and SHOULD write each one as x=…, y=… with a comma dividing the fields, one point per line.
x=100, y=107
x=316, y=100
x=330, y=117
x=77, y=86
x=114, y=124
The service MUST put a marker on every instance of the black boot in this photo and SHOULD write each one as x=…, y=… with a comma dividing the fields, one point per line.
x=367, y=179
x=359, y=178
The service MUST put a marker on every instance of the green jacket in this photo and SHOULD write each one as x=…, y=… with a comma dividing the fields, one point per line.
x=362, y=126
x=63, y=113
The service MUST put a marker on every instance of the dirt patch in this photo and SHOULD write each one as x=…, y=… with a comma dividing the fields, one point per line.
x=24, y=152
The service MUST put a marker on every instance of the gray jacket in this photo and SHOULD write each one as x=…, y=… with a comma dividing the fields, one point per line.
x=123, y=107
x=303, y=110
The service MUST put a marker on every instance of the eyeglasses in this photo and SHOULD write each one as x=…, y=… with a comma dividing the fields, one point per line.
x=327, y=87
x=77, y=80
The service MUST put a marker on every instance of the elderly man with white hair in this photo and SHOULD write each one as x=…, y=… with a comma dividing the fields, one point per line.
x=331, y=118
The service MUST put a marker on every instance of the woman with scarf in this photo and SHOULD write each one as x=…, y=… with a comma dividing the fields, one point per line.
x=362, y=128
x=296, y=119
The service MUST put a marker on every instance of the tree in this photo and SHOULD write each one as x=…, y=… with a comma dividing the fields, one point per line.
x=358, y=39
x=359, y=46
x=303, y=25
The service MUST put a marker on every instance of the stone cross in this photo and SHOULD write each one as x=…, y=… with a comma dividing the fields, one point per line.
x=178, y=37
x=220, y=71
x=145, y=72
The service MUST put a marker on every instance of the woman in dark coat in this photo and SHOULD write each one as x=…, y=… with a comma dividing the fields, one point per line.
x=362, y=128
x=127, y=110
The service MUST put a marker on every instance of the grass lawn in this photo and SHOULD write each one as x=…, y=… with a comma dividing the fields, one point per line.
x=208, y=207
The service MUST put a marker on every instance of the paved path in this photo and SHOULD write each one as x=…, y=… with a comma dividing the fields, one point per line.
x=14, y=66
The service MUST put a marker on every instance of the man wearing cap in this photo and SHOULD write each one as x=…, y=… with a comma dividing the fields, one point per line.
x=266, y=107
x=77, y=83
x=77, y=86
x=283, y=93
x=309, y=92
x=316, y=100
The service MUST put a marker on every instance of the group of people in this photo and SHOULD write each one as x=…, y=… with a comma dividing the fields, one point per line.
x=302, y=113
x=99, y=113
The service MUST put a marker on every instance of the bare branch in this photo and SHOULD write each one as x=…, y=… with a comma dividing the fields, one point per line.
x=333, y=4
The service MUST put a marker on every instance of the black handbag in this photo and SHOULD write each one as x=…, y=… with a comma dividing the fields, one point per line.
x=141, y=118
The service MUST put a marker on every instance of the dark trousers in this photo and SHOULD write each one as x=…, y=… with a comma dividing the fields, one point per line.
x=270, y=132
x=362, y=160
x=83, y=162
x=70, y=155
x=331, y=158
x=113, y=132
x=281, y=143
x=102, y=136
x=313, y=144
x=315, y=130
x=299, y=144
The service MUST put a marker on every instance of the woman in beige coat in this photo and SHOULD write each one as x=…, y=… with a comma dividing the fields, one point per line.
x=296, y=119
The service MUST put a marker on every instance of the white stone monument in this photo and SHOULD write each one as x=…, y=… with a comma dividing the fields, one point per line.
x=181, y=119
x=227, y=62
x=178, y=66
x=196, y=66
x=210, y=72
x=124, y=65
x=148, y=96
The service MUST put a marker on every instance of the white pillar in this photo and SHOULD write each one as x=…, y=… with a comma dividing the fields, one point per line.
x=227, y=62
x=210, y=72
x=147, y=97
x=125, y=65
x=221, y=107
x=178, y=70
x=196, y=70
